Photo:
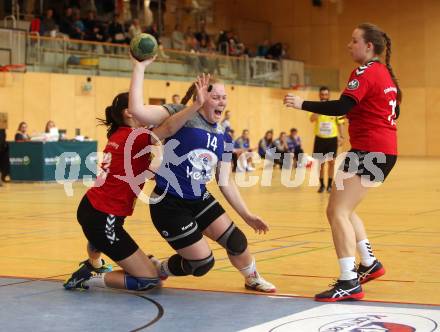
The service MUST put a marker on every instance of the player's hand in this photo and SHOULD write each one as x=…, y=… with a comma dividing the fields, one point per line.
x=141, y=64
x=202, y=83
x=257, y=224
x=293, y=101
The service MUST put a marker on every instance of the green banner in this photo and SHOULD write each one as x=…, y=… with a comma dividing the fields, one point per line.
x=42, y=161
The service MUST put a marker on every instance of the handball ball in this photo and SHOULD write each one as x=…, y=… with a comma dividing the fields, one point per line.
x=143, y=46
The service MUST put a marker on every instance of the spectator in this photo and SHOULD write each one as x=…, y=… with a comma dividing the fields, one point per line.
x=49, y=125
x=78, y=26
x=265, y=144
x=294, y=144
x=175, y=99
x=48, y=24
x=135, y=28
x=263, y=49
x=116, y=31
x=158, y=9
x=275, y=52
x=202, y=34
x=222, y=43
x=21, y=134
x=152, y=30
x=178, y=38
x=242, y=144
x=282, y=148
x=93, y=28
x=35, y=25
x=225, y=122
x=4, y=157
x=66, y=22
x=230, y=139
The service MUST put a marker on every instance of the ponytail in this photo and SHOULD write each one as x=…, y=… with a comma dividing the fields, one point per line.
x=114, y=117
x=388, y=65
x=192, y=90
x=189, y=94
x=381, y=41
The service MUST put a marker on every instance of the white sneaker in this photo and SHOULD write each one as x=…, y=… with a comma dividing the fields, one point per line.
x=240, y=168
x=250, y=168
x=257, y=283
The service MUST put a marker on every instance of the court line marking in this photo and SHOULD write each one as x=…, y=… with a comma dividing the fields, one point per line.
x=281, y=295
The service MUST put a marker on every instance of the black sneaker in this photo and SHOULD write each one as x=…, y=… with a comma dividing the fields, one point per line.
x=367, y=273
x=342, y=290
x=321, y=189
x=86, y=270
x=329, y=189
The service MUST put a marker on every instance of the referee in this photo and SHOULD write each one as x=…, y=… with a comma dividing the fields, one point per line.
x=328, y=135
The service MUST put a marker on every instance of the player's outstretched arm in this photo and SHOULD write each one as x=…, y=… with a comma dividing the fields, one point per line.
x=147, y=114
x=232, y=194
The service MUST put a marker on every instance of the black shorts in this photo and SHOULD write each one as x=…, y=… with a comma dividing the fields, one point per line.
x=324, y=146
x=182, y=221
x=375, y=166
x=105, y=231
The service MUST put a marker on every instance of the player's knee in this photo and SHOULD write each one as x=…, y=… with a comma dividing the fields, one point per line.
x=199, y=267
x=233, y=240
x=140, y=283
x=336, y=215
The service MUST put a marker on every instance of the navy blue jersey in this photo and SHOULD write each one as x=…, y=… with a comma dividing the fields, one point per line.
x=190, y=157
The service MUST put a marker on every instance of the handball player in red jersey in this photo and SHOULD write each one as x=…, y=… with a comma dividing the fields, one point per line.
x=105, y=206
x=371, y=103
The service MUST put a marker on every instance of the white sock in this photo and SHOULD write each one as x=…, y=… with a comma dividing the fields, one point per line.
x=347, y=267
x=96, y=281
x=366, y=253
x=96, y=263
x=250, y=270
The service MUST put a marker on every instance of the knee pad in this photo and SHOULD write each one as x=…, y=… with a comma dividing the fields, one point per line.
x=179, y=266
x=199, y=267
x=140, y=283
x=233, y=240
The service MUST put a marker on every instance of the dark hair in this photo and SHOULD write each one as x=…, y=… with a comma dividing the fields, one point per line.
x=267, y=133
x=192, y=89
x=114, y=117
x=381, y=41
x=293, y=129
x=323, y=88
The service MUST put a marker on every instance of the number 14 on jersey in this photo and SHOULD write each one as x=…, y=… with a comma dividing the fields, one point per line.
x=212, y=142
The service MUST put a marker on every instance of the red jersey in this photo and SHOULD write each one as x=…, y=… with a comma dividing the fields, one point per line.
x=114, y=195
x=372, y=124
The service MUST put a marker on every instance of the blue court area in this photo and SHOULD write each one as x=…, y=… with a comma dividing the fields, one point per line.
x=43, y=305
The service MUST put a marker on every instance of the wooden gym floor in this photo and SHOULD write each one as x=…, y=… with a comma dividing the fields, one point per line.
x=40, y=238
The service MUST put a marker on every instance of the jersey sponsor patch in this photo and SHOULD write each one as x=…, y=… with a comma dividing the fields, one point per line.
x=353, y=84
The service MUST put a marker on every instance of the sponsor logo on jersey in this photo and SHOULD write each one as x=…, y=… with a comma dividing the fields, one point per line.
x=203, y=162
x=184, y=228
x=353, y=84
x=206, y=195
x=390, y=89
